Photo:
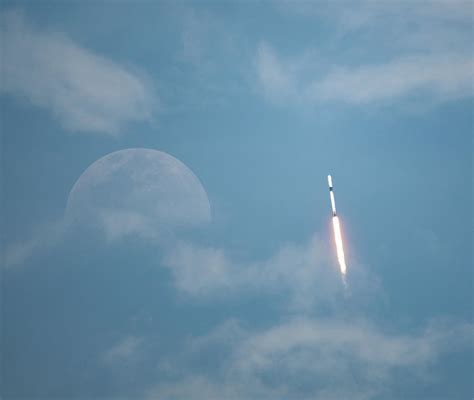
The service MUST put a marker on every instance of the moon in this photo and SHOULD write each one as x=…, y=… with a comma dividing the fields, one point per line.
x=138, y=191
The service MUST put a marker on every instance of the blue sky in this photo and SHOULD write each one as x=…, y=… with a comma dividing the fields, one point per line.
x=204, y=267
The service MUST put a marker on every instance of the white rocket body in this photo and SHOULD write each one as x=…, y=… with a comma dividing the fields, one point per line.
x=331, y=195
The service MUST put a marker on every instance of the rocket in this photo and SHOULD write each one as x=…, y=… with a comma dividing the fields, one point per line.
x=331, y=195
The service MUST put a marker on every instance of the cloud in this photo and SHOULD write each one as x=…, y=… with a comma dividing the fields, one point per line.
x=46, y=236
x=207, y=272
x=372, y=52
x=277, y=82
x=307, y=358
x=302, y=273
x=443, y=76
x=357, y=340
x=124, y=351
x=210, y=65
x=112, y=225
x=196, y=36
x=118, y=224
x=132, y=193
x=334, y=358
x=387, y=17
x=86, y=92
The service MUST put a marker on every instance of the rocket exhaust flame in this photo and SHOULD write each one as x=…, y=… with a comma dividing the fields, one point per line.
x=339, y=247
x=337, y=233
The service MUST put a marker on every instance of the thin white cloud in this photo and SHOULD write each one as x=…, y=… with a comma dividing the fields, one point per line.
x=311, y=359
x=373, y=52
x=343, y=357
x=117, y=224
x=349, y=17
x=196, y=36
x=45, y=237
x=444, y=77
x=132, y=193
x=84, y=91
x=276, y=80
x=114, y=225
x=124, y=351
x=303, y=273
x=441, y=76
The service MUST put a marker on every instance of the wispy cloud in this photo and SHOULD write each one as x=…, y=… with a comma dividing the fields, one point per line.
x=373, y=52
x=123, y=351
x=117, y=224
x=277, y=81
x=393, y=22
x=132, y=193
x=442, y=77
x=211, y=62
x=85, y=91
x=310, y=358
x=46, y=236
x=302, y=272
